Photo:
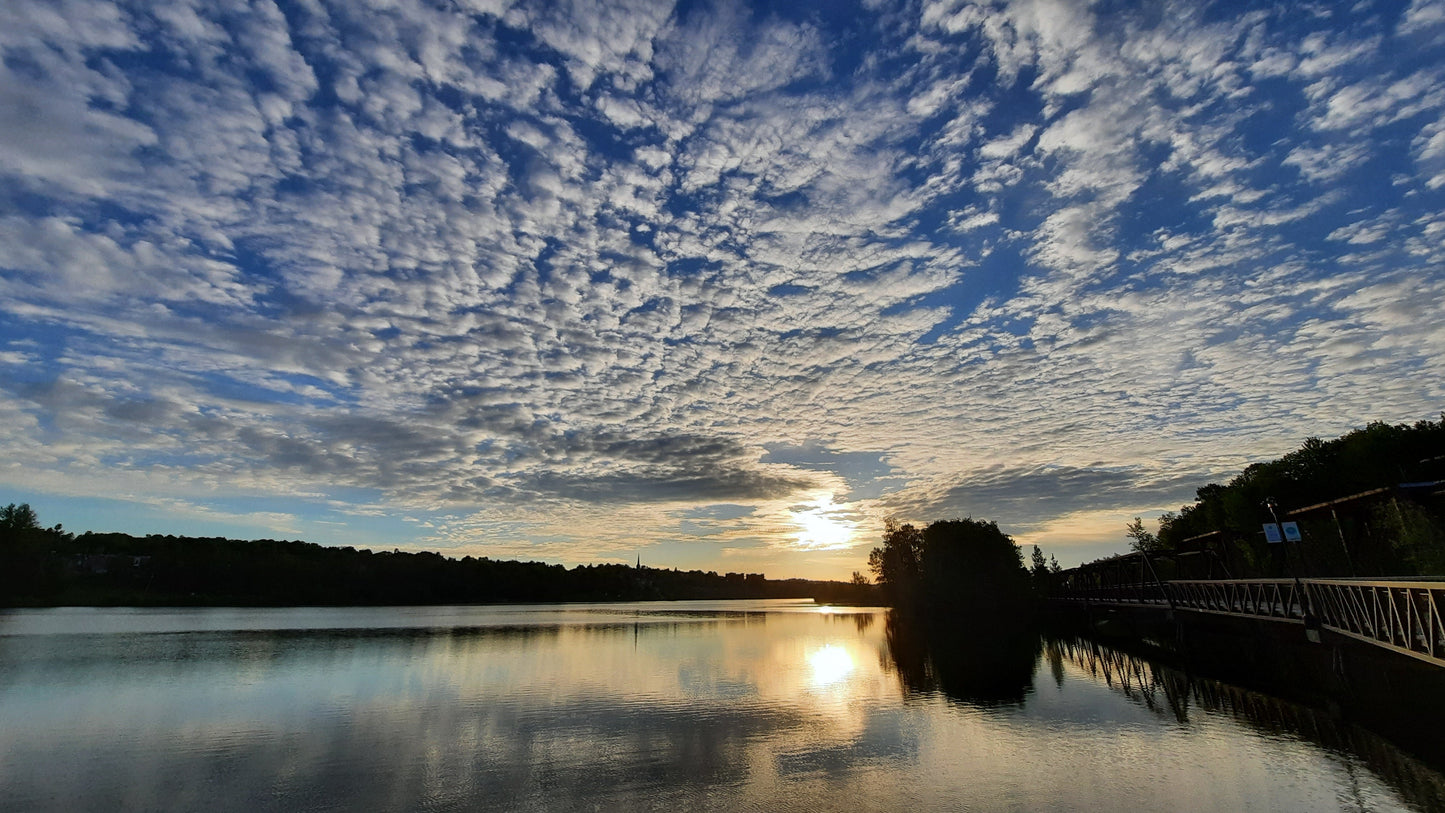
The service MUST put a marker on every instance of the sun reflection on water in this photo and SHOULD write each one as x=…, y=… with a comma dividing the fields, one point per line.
x=831, y=664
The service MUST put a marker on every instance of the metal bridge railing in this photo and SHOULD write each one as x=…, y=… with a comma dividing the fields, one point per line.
x=1134, y=593
x=1404, y=616
x=1261, y=598
x=1398, y=615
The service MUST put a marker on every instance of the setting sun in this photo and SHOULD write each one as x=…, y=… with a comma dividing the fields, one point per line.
x=821, y=527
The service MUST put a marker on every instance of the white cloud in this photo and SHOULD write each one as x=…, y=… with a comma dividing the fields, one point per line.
x=1007, y=146
x=51, y=134
x=1422, y=16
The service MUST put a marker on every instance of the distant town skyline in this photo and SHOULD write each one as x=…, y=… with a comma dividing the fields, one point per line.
x=716, y=285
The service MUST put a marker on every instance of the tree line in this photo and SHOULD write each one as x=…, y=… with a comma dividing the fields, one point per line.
x=1368, y=503
x=42, y=566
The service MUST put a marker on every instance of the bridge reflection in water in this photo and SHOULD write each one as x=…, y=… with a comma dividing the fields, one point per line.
x=1174, y=693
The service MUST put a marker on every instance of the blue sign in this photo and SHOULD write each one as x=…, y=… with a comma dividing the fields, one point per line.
x=1271, y=533
x=1291, y=531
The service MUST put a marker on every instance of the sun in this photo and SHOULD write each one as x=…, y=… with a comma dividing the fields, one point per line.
x=821, y=527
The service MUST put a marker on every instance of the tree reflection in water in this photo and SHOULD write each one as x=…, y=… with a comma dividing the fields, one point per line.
x=991, y=666
x=995, y=667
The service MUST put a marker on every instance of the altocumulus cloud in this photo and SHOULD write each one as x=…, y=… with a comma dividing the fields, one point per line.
x=521, y=271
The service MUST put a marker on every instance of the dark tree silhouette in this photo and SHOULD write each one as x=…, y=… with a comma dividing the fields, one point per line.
x=961, y=565
x=45, y=566
x=29, y=570
x=896, y=564
x=970, y=565
x=18, y=517
x=1377, y=508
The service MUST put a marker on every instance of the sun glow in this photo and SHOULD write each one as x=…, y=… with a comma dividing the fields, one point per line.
x=821, y=526
x=831, y=664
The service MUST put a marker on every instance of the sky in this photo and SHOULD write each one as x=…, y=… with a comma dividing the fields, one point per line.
x=713, y=285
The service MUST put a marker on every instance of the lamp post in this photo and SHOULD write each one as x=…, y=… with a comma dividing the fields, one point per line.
x=1312, y=624
x=1270, y=505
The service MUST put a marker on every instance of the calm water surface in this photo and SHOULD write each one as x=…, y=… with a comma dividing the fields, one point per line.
x=658, y=706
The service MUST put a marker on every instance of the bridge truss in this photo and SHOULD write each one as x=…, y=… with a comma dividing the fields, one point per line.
x=1407, y=617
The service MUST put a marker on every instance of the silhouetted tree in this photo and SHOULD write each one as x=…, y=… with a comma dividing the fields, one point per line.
x=895, y=565
x=29, y=571
x=1141, y=540
x=18, y=517
x=1039, y=572
x=971, y=566
x=950, y=566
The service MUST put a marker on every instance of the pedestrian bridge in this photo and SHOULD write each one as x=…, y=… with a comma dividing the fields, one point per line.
x=1404, y=616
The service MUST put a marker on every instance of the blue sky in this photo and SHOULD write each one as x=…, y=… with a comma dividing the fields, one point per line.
x=714, y=284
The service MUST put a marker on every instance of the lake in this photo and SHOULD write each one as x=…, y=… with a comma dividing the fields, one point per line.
x=738, y=705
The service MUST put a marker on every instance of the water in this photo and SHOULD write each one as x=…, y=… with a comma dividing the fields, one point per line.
x=660, y=706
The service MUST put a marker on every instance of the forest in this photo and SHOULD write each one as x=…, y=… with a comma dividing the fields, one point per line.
x=1368, y=503
x=42, y=566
